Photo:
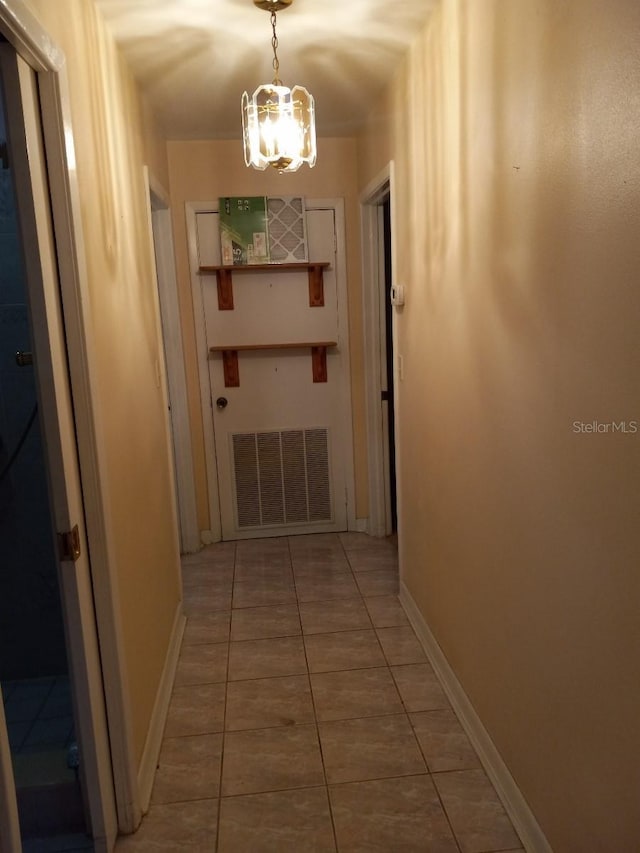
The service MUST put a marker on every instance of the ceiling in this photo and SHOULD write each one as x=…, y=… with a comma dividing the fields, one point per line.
x=194, y=58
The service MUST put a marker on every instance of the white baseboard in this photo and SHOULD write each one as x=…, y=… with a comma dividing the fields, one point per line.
x=361, y=525
x=523, y=819
x=192, y=544
x=149, y=760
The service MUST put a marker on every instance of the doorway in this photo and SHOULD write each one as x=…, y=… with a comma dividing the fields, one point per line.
x=54, y=698
x=178, y=415
x=388, y=394
x=381, y=358
x=34, y=670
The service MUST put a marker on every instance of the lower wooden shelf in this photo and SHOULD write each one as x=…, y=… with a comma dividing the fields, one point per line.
x=232, y=370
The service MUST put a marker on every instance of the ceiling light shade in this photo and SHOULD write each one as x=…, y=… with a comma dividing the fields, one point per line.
x=278, y=123
x=279, y=128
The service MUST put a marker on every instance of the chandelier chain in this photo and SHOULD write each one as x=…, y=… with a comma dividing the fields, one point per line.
x=274, y=44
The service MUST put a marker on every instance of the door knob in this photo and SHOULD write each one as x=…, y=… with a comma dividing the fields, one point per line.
x=222, y=402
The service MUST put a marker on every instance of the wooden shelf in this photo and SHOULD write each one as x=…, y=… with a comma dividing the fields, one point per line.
x=224, y=279
x=248, y=347
x=232, y=370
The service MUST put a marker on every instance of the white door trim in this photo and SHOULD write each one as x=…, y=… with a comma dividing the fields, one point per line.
x=9, y=822
x=33, y=43
x=165, y=265
x=380, y=188
x=346, y=407
x=191, y=211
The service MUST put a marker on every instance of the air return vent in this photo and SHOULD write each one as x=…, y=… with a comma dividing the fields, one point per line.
x=282, y=478
x=287, y=231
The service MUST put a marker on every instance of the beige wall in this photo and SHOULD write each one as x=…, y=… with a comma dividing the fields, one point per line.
x=514, y=127
x=111, y=148
x=204, y=171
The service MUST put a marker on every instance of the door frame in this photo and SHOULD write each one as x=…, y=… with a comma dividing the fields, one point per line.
x=53, y=390
x=34, y=44
x=381, y=188
x=161, y=236
x=9, y=820
x=214, y=534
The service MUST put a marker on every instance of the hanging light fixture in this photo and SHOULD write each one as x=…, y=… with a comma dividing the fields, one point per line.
x=278, y=124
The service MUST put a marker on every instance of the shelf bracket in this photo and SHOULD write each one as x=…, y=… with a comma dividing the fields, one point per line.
x=225, y=289
x=316, y=286
x=319, y=363
x=230, y=368
x=224, y=279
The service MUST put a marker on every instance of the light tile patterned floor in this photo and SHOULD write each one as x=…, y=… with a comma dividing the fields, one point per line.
x=305, y=717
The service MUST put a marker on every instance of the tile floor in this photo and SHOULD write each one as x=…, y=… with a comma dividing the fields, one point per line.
x=305, y=717
x=38, y=713
x=41, y=734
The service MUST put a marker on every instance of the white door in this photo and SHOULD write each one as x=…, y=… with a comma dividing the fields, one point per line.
x=56, y=416
x=281, y=450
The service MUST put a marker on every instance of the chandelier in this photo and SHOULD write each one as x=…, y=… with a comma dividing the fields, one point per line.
x=278, y=123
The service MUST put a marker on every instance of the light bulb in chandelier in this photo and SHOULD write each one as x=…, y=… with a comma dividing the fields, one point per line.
x=278, y=123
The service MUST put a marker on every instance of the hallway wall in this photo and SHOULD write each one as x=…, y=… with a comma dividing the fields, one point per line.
x=206, y=170
x=114, y=137
x=514, y=128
